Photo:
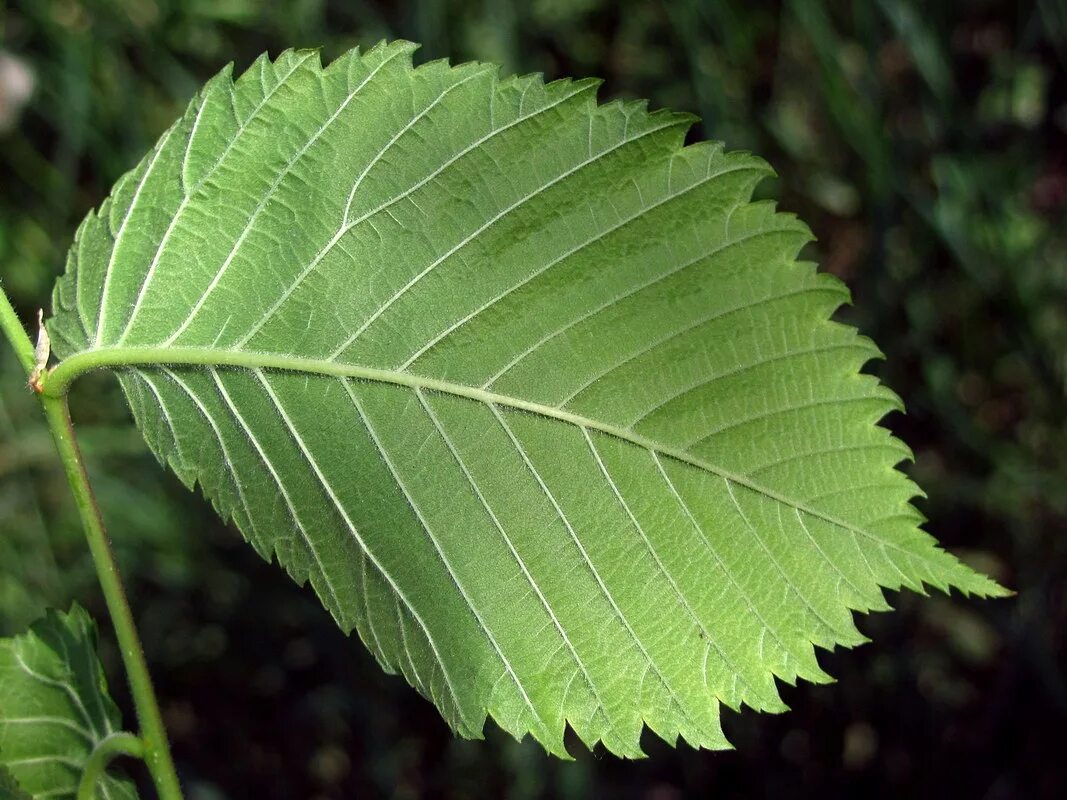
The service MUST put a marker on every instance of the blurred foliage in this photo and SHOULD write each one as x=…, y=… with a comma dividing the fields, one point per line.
x=926, y=145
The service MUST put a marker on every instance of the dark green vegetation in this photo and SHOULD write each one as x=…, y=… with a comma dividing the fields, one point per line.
x=912, y=154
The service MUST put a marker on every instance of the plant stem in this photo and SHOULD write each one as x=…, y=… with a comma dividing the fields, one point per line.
x=16, y=334
x=156, y=747
x=117, y=744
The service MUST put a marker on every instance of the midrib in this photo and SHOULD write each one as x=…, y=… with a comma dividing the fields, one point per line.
x=70, y=369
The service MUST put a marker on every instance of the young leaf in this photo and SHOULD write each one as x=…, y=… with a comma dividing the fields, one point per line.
x=537, y=398
x=54, y=709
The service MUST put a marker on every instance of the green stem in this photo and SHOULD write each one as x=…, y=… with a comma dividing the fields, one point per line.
x=16, y=334
x=117, y=744
x=156, y=747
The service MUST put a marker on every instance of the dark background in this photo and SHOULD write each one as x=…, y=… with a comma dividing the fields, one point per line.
x=926, y=145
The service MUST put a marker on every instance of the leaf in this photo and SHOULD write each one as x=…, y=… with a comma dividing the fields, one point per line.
x=54, y=709
x=538, y=399
x=9, y=789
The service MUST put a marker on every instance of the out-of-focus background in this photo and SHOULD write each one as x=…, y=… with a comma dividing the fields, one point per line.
x=924, y=142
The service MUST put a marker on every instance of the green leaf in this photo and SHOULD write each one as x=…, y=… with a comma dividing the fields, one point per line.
x=54, y=709
x=537, y=399
x=9, y=789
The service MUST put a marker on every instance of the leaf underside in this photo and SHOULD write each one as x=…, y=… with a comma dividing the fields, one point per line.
x=537, y=399
x=54, y=709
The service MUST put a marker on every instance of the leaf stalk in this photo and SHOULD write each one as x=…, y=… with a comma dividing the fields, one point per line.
x=117, y=744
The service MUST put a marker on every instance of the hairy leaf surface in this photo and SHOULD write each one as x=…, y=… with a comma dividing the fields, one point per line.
x=54, y=709
x=538, y=399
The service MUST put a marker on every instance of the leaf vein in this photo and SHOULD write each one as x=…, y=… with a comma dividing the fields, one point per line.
x=294, y=515
x=511, y=547
x=70, y=368
x=269, y=194
x=759, y=362
x=650, y=664
x=66, y=688
x=481, y=229
x=766, y=628
x=440, y=552
x=662, y=567
x=105, y=292
x=559, y=259
x=154, y=263
x=316, y=469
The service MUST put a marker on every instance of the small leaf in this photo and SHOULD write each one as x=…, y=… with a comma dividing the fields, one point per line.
x=54, y=709
x=537, y=398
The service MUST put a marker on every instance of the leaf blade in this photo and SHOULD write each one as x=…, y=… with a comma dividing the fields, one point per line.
x=54, y=707
x=478, y=358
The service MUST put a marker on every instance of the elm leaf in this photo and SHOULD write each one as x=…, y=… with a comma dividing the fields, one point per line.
x=536, y=397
